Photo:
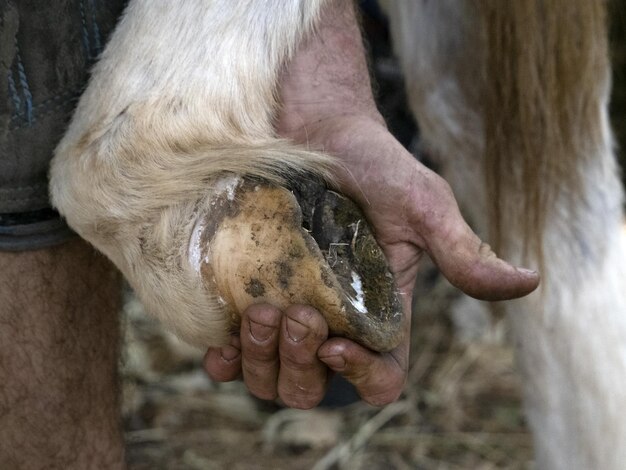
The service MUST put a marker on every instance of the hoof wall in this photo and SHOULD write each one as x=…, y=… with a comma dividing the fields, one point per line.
x=312, y=246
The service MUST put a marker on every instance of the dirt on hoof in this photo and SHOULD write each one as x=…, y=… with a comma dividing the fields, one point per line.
x=307, y=246
x=347, y=243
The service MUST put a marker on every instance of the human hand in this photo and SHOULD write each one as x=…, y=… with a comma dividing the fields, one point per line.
x=275, y=355
x=327, y=105
x=412, y=211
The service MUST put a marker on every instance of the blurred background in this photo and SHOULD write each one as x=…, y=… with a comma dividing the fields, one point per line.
x=461, y=408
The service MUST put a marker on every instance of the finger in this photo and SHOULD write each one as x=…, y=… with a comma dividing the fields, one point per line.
x=464, y=259
x=260, y=326
x=473, y=267
x=378, y=378
x=302, y=377
x=224, y=364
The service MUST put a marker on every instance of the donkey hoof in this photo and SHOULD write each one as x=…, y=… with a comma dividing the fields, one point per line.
x=257, y=244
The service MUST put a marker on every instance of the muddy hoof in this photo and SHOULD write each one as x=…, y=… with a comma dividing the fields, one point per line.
x=259, y=245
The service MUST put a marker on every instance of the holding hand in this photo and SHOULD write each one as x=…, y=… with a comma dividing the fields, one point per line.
x=328, y=105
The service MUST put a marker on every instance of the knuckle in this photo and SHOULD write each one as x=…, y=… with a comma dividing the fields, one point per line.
x=217, y=372
x=259, y=356
x=384, y=398
x=262, y=393
x=218, y=375
x=383, y=392
x=301, y=399
x=357, y=374
x=259, y=373
x=437, y=184
x=260, y=383
x=318, y=335
x=298, y=361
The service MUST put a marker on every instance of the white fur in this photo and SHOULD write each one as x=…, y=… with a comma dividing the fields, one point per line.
x=571, y=336
x=182, y=96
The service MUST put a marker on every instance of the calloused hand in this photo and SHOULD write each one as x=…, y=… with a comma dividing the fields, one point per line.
x=327, y=105
x=275, y=353
x=412, y=210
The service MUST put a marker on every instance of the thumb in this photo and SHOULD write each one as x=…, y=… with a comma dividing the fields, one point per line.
x=471, y=265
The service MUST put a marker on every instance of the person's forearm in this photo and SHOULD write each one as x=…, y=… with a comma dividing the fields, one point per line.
x=328, y=105
x=328, y=77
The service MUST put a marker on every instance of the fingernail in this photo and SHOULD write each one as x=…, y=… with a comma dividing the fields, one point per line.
x=334, y=362
x=529, y=272
x=229, y=353
x=296, y=330
x=260, y=332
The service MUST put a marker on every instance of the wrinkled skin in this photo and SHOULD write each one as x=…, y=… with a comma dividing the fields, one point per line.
x=328, y=104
